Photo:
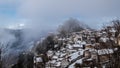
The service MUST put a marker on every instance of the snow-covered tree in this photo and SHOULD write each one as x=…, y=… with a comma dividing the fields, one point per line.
x=71, y=25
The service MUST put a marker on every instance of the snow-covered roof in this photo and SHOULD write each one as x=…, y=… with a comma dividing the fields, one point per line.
x=39, y=59
x=103, y=32
x=77, y=45
x=55, y=57
x=57, y=64
x=83, y=42
x=76, y=54
x=78, y=42
x=112, y=30
x=69, y=46
x=50, y=51
x=59, y=59
x=62, y=54
x=57, y=53
x=72, y=50
x=53, y=61
x=105, y=51
x=55, y=45
x=103, y=39
x=62, y=49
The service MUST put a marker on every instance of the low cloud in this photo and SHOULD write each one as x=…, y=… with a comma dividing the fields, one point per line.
x=55, y=10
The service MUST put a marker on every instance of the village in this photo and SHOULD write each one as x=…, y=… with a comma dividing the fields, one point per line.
x=59, y=33
x=87, y=48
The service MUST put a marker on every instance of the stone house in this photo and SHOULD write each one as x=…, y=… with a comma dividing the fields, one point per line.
x=87, y=54
x=117, y=40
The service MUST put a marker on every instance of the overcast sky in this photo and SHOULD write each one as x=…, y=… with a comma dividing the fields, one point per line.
x=51, y=13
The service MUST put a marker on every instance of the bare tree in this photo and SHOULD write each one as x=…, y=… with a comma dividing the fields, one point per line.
x=115, y=57
x=71, y=25
x=116, y=25
x=45, y=45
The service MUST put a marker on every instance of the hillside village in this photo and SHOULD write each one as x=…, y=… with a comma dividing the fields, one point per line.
x=86, y=48
x=59, y=33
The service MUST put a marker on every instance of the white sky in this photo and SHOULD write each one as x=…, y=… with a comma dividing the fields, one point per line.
x=54, y=12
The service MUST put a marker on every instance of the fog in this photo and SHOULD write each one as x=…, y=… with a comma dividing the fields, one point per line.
x=25, y=35
x=18, y=39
